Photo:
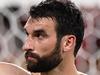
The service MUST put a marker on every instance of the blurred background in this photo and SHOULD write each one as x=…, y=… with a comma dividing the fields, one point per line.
x=13, y=16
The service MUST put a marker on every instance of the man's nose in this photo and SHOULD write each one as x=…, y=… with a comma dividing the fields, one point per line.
x=28, y=45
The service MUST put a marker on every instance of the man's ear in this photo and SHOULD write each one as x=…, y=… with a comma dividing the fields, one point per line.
x=69, y=42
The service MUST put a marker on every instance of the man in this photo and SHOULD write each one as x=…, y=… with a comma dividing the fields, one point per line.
x=54, y=34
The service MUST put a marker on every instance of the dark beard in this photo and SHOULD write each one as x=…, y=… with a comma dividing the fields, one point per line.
x=45, y=63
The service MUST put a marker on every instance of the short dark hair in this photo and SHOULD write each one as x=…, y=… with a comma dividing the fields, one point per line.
x=67, y=15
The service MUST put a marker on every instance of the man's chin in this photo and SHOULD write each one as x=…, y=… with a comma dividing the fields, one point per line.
x=37, y=68
x=41, y=67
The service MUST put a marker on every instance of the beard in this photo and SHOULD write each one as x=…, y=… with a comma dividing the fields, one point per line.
x=44, y=63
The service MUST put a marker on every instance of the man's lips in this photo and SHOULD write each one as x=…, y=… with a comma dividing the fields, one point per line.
x=31, y=59
x=31, y=56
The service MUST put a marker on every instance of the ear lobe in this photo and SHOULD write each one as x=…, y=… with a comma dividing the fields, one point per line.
x=69, y=43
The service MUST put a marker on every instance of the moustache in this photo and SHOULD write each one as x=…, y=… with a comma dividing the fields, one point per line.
x=32, y=55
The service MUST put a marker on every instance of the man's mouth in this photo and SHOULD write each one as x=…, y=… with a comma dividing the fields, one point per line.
x=34, y=60
x=31, y=57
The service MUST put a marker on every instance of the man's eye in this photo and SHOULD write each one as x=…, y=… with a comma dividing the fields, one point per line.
x=40, y=36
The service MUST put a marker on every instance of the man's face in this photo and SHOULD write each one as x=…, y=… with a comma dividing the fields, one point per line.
x=41, y=46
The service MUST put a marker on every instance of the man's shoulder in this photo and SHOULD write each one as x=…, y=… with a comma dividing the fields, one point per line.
x=81, y=73
x=35, y=73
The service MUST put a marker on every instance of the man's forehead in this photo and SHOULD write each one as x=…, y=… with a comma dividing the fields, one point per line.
x=28, y=21
x=40, y=21
x=40, y=18
x=46, y=24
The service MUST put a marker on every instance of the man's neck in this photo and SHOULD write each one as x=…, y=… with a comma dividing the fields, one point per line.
x=60, y=72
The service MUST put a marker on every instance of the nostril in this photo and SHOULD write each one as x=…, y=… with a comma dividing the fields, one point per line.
x=29, y=50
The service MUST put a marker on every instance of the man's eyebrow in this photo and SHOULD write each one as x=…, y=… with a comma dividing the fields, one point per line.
x=35, y=31
x=38, y=31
